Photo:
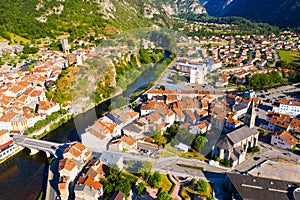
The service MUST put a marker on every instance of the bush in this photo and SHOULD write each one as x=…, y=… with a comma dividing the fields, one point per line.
x=253, y=149
x=163, y=196
x=154, y=180
x=261, y=132
x=226, y=162
x=218, y=159
x=141, y=188
x=201, y=185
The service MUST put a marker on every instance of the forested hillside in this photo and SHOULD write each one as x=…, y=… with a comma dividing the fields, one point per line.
x=34, y=19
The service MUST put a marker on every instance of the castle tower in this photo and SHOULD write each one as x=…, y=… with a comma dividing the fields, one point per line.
x=250, y=115
x=65, y=45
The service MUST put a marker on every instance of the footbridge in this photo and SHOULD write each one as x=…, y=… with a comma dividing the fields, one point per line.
x=36, y=145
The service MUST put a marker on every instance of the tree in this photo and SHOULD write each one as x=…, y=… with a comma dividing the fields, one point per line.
x=164, y=196
x=281, y=64
x=199, y=142
x=254, y=149
x=124, y=186
x=146, y=167
x=141, y=188
x=155, y=179
x=201, y=185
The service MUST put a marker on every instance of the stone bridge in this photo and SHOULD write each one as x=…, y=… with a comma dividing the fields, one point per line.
x=36, y=145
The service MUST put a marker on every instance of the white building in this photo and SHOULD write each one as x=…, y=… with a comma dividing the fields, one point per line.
x=182, y=147
x=196, y=76
x=47, y=107
x=284, y=140
x=68, y=168
x=235, y=145
x=289, y=107
x=6, y=144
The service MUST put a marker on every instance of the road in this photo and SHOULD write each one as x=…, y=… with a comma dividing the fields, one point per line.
x=170, y=165
x=266, y=152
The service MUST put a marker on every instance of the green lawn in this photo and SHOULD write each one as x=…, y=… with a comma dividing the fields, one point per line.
x=289, y=56
x=165, y=184
x=165, y=154
x=173, y=150
x=188, y=190
x=194, y=155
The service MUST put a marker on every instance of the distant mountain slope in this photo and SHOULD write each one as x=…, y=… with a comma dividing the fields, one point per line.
x=278, y=12
x=179, y=7
x=49, y=18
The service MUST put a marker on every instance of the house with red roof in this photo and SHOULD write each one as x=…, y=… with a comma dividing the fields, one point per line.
x=6, y=144
x=47, y=107
x=68, y=168
x=284, y=140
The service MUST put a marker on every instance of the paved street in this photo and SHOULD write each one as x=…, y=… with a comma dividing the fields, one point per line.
x=266, y=152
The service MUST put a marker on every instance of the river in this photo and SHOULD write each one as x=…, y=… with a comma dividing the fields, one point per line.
x=22, y=177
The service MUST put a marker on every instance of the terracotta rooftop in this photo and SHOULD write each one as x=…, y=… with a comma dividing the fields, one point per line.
x=288, y=138
x=3, y=133
x=289, y=102
x=281, y=121
x=66, y=164
x=79, y=146
x=129, y=140
x=72, y=151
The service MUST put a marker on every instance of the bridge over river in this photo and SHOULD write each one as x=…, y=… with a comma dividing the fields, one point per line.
x=36, y=145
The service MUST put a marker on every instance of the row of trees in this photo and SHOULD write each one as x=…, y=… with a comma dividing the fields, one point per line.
x=46, y=121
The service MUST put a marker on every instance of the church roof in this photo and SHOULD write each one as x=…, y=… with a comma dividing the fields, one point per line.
x=241, y=134
x=224, y=144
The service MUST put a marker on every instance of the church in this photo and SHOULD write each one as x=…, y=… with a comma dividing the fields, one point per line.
x=236, y=143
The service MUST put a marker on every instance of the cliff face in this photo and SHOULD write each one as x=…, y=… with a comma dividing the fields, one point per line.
x=277, y=12
x=179, y=7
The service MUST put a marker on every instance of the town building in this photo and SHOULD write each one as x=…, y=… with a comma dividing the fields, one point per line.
x=109, y=159
x=289, y=107
x=252, y=187
x=284, y=140
x=65, y=45
x=7, y=145
x=118, y=196
x=182, y=147
x=235, y=144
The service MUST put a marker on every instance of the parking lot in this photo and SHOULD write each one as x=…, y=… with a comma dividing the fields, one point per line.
x=274, y=95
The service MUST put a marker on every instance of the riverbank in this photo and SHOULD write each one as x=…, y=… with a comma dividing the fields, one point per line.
x=39, y=134
x=17, y=150
x=45, y=130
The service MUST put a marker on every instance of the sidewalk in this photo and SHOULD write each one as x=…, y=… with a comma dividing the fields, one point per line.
x=175, y=194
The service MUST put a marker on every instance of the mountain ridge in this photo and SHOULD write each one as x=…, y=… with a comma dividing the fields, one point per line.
x=34, y=19
x=283, y=13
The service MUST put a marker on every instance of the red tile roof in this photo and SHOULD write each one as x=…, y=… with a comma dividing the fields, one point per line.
x=6, y=144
